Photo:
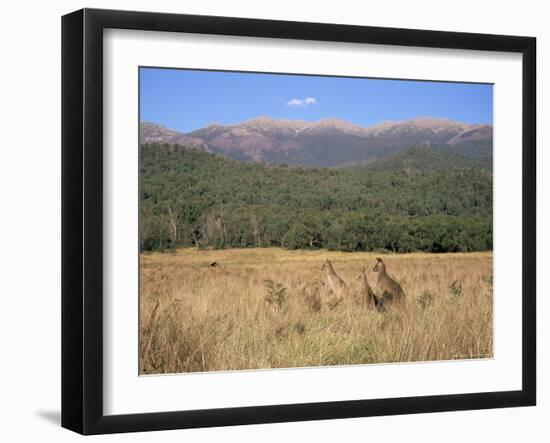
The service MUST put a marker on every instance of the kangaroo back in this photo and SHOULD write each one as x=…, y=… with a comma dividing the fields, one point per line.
x=335, y=285
x=390, y=289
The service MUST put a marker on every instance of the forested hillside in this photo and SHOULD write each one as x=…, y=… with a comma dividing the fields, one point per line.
x=189, y=197
x=424, y=158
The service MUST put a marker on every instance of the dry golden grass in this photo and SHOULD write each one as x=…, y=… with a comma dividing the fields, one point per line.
x=195, y=317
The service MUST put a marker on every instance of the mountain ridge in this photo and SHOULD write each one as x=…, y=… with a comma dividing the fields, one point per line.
x=327, y=142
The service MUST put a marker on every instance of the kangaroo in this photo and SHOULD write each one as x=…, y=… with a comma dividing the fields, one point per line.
x=390, y=289
x=334, y=284
x=367, y=295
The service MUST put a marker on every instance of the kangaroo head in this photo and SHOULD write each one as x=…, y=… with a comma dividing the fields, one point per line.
x=362, y=275
x=326, y=265
x=379, y=264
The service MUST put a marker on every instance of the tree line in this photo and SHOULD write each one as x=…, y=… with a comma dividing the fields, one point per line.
x=189, y=197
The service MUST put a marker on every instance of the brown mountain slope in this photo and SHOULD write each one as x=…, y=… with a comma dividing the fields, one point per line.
x=327, y=142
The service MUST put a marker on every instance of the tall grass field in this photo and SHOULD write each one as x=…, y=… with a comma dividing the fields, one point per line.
x=258, y=308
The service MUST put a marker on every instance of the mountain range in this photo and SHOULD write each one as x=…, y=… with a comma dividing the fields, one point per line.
x=333, y=142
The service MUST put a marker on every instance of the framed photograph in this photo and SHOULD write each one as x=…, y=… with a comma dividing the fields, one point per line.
x=269, y=221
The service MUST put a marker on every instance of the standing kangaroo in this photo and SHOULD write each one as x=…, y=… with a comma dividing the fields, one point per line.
x=390, y=289
x=334, y=284
x=366, y=294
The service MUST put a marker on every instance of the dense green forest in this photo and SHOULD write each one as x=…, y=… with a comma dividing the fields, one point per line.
x=190, y=197
x=423, y=158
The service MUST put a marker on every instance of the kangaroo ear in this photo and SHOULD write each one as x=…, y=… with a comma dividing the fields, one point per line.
x=378, y=259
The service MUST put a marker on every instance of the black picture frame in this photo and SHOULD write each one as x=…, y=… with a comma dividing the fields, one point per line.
x=82, y=218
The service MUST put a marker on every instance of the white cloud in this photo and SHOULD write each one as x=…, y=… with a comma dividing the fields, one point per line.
x=302, y=102
x=295, y=102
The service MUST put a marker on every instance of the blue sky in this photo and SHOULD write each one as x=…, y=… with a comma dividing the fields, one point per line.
x=185, y=100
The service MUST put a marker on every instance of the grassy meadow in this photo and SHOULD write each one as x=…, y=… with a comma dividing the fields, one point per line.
x=267, y=308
